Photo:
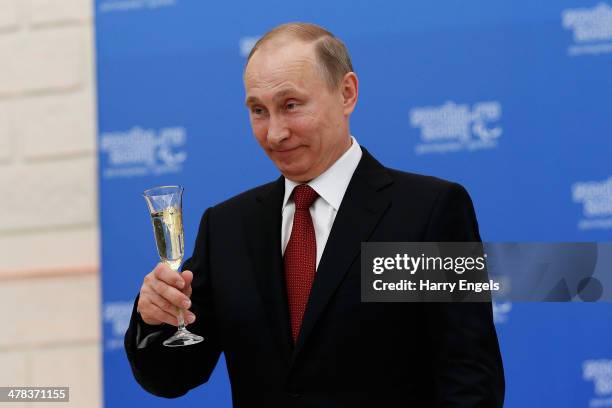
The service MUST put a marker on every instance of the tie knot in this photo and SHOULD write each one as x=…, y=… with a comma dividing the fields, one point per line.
x=304, y=196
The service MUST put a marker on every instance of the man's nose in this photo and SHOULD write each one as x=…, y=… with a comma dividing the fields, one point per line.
x=277, y=130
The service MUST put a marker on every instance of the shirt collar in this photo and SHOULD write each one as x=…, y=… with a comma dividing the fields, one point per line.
x=333, y=182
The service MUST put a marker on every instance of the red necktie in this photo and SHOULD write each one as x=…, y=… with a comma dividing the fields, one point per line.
x=300, y=256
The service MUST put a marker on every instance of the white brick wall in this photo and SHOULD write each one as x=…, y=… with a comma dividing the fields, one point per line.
x=9, y=15
x=48, y=194
x=47, y=125
x=6, y=131
x=42, y=60
x=14, y=372
x=49, y=311
x=44, y=12
x=74, y=366
x=60, y=116
x=49, y=287
x=14, y=368
x=44, y=251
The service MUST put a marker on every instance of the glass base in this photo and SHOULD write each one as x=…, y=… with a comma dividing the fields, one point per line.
x=183, y=337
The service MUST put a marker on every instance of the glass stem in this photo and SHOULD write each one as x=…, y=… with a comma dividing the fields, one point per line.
x=181, y=320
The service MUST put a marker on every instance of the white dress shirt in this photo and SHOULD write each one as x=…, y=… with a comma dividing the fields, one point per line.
x=331, y=186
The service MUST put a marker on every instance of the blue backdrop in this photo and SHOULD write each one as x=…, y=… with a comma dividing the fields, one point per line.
x=511, y=99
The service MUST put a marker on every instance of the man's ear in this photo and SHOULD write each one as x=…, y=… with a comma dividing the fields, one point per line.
x=350, y=91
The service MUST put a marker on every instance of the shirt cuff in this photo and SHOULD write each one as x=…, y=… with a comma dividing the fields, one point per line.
x=147, y=334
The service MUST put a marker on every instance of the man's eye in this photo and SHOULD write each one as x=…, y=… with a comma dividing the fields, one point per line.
x=257, y=110
x=291, y=106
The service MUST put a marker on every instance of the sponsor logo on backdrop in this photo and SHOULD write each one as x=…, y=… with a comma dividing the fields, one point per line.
x=600, y=373
x=117, y=315
x=455, y=127
x=246, y=44
x=591, y=28
x=501, y=312
x=596, y=200
x=142, y=152
x=109, y=6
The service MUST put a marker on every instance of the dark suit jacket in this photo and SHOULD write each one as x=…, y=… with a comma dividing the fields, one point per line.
x=349, y=353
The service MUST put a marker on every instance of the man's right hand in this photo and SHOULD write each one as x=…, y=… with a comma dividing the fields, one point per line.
x=163, y=293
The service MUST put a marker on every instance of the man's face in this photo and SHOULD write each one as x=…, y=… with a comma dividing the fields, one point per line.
x=300, y=123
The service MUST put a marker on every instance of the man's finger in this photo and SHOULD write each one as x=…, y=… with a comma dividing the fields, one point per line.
x=143, y=309
x=161, y=303
x=151, y=313
x=171, y=277
x=171, y=294
x=167, y=307
x=161, y=315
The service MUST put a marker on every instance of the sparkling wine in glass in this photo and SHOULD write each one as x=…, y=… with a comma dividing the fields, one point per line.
x=165, y=208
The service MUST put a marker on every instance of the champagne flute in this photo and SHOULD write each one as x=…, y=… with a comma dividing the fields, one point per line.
x=165, y=208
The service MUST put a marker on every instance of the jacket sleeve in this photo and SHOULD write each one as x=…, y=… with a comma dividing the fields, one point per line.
x=467, y=361
x=172, y=371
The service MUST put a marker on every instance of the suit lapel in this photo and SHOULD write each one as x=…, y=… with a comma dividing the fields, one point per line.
x=364, y=202
x=263, y=232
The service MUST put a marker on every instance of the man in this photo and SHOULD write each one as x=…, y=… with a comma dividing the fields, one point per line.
x=276, y=279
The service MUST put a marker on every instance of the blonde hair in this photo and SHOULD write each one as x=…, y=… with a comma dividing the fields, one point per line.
x=332, y=55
